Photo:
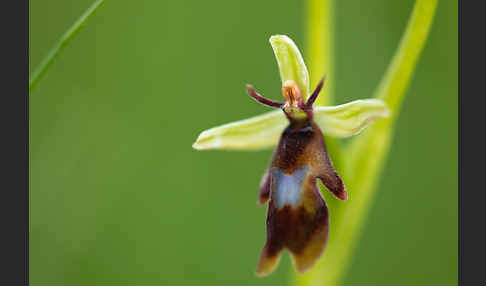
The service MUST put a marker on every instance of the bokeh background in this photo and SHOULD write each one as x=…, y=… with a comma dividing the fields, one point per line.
x=119, y=197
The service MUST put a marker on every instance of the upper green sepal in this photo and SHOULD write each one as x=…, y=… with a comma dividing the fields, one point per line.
x=290, y=63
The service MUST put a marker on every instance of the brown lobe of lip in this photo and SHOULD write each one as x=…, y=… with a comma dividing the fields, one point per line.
x=302, y=228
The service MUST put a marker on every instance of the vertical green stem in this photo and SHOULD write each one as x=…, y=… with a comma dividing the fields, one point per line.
x=319, y=44
x=366, y=155
x=61, y=44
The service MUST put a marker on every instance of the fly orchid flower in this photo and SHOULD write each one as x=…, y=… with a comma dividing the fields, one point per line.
x=297, y=215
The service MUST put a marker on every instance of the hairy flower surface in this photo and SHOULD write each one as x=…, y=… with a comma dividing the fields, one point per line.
x=297, y=215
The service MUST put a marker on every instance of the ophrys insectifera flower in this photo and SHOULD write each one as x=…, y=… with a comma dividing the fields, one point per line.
x=297, y=215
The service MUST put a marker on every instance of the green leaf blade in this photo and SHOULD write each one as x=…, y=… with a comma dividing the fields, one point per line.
x=61, y=44
x=393, y=86
x=392, y=90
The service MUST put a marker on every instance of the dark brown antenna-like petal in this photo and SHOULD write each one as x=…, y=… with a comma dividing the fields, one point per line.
x=333, y=182
x=314, y=94
x=251, y=91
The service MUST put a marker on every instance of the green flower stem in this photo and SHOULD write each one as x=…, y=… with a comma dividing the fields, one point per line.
x=61, y=44
x=319, y=44
x=366, y=155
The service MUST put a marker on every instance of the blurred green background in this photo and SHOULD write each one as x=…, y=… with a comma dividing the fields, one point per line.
x=119, y=197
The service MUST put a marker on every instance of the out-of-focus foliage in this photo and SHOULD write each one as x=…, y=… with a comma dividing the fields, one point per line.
x=49, y=59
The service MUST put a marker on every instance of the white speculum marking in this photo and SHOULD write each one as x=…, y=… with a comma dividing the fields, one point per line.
x=288, y=188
